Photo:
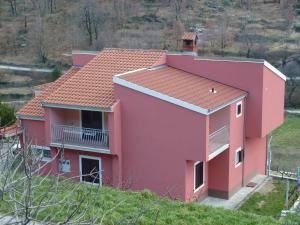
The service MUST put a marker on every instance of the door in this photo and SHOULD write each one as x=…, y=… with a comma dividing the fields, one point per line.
x=90, y=169
x=91, y=119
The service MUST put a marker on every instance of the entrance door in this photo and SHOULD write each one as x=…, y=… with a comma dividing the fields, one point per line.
x=90, y=169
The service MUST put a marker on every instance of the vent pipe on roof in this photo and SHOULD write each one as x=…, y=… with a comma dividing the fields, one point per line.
x=213, y=90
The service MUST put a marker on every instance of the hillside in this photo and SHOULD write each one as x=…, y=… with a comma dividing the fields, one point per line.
x=45, y=31
x=127, y=207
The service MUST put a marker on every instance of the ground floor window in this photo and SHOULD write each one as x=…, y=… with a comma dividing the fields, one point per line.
x=238, y=157
x=43, y=152
x=198, y=175
x=90, y=168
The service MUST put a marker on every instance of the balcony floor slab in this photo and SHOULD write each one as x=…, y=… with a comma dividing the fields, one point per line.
x=82, y=148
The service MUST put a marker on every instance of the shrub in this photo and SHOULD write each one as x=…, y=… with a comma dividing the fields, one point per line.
x=56, y=72
x=7, y=115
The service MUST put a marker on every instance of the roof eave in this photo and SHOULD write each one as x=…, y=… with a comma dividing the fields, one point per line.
x=147, y=91
x=76, y=107
x=30, y=117
x=210, y=111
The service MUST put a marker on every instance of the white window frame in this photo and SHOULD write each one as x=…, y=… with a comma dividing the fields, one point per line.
x=100, y=168
x=201, y=186
x=240, y=103
x=43, y=159
x=237, y=164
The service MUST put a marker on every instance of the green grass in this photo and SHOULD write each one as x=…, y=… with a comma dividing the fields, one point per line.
x=288, y=135
x=286, y=143
x=152, y=209
x=269, y=204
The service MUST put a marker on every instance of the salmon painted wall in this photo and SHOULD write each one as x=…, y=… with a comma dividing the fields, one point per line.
x=82, y=58
x=65, y=117
x=114, y=127
x=218, y=173
x=273, y=102
x=255, y=157
x=34, y=131
x=224, y=177
x=190, y=195
x=236, y=142
x=73, y=156
x=157, y=140
x=248, y=76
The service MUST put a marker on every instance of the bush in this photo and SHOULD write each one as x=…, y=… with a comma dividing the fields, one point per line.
x=55, y=74
x=7, y=115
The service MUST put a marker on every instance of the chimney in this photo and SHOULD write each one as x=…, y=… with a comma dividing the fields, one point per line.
x=189, y=42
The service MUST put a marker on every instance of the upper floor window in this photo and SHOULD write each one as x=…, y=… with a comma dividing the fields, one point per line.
x=239, y=109
x=238, y=157
x=198, y=175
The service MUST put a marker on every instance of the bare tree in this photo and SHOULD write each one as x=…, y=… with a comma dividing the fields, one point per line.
x=51, y=5
x=39, y=40
x=178, y=7
x=93, y=18
x=293, y=83
x=13, y=7
x=33, y=194
x=248, y=35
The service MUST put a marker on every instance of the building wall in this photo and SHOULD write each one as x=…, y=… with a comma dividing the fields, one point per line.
x=158, y=138
x=65, y=116
x=236, y=142
x=273, y=102
x=255, y=157
x=73, y=156
x=248, y=76
x=34, y=131
x=218, y=175
x=224, y=177
x=82, y=58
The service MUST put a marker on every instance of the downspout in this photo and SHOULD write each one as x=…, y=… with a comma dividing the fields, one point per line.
x=244, y=141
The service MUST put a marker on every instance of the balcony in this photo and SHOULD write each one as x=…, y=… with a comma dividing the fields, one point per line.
x=73, y=137
x=218, y=141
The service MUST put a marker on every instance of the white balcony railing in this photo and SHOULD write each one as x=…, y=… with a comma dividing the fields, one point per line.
x=218, y=139
x=77, y=136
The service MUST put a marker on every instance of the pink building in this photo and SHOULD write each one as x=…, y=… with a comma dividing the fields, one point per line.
x=175, y=123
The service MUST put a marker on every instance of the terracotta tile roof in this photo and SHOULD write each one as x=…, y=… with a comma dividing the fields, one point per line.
x=33, y=107
x=92, y=86
x=189, y=36
x=184, y=86
x=43, y=86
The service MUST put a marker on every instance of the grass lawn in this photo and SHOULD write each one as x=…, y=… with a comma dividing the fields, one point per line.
x=268, y=203
x=145, y=206
x=286, y=143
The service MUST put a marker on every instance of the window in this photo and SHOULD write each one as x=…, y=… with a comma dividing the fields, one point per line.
x=239, y=109
x=198, y=175
x=43, y=152
x=65, y=166
x=238, y=157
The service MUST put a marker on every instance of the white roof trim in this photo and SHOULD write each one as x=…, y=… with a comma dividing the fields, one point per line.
x=131, y=71
x=158, y=95
x=241, y=60
x=82, y=52
x=76, y=107
x=28, y=117
x=274, y=70
x=226, y=104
